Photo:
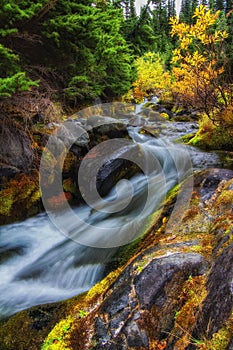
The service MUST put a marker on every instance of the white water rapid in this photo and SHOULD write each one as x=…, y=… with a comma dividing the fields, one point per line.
x=40, y=265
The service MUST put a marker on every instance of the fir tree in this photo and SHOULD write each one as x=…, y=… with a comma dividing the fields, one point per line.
x=229, y=6
x=219, y=5
x=75, y=48
x=132, y=9
x=186, y=11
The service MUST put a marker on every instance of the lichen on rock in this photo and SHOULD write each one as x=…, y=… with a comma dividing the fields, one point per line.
x=175, y=290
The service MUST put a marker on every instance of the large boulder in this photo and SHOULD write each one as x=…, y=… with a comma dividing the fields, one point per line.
x=100, y=145
x=143, y=298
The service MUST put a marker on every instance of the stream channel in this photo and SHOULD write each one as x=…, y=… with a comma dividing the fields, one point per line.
x=39, y=264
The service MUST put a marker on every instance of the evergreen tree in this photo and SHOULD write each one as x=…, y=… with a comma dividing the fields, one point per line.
x=171, y=11
x=76, y=48
x=193, y=8
x=229, y=6
x=229, y=48
x=138, y=31
x=13, y=77
x=204, y=2
x=132, y=9
x=212, y=4
x=161, y=14
x=150, y=30
x=219, y=5
x=187, y=10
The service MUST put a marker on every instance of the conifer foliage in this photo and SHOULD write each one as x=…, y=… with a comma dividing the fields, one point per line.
x=74, y=47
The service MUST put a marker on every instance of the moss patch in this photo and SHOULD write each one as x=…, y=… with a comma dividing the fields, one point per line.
x=213, y=137
x=73, y=332
x=19, y=197
x=58, y=337
x=192, y=295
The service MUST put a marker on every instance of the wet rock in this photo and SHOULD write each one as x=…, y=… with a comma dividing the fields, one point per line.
x=97, y=120
x=137, y=120
x=76, y=141
x=218, y=305
x=140, y=309
x=7, y=171
x=154, y=116
x=104, y=167
x=137, y=294
x=27, y=329
x=71, y=133
x=230, y=345
x=108, y=131
x=164, y=109
x=186, y=115
x=114, y=171
x=118, y=301
x=136, y=337
x=150, y=284
x=208, y=181
x=15, y=145
x=151, y=130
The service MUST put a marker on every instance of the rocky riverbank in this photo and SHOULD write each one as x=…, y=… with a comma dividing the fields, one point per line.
x=175, y=292
x=20, y=192
x=171, y=289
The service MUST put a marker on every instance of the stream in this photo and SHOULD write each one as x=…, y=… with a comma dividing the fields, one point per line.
x=39, y=264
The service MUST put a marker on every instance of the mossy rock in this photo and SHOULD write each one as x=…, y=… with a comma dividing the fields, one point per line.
x=27, y=329
x=20, y=197
x=213, y=137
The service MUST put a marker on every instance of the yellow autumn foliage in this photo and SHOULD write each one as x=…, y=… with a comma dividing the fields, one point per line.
x=152, y=78
x=196, y=64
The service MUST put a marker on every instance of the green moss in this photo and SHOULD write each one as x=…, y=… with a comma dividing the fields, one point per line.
x=102, y=286
x=193, y=293
x=19, y=194
x=225, y=200
x=83, y=313
x=165, y=116
x=69, y=162
x=173, y=192
x=69, y=186
x=149, y=105
x=75, y=331
x=212, y=137
x=219, y=340
x=6, y=202
x=58, y=337
x=186, y=138
x=79, y=318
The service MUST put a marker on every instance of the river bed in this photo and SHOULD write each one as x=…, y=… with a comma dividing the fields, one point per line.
x=39, y=264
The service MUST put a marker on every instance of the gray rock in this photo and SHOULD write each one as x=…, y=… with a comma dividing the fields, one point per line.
x=7, y=171
x=72, y=133
x=208, y=181
x=150, y=284
x=122, y=315
x=136, y=337
x=137, y=120
x=218, y=305
x=15, y=145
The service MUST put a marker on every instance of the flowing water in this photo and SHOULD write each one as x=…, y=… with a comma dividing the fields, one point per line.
x=40, y=265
